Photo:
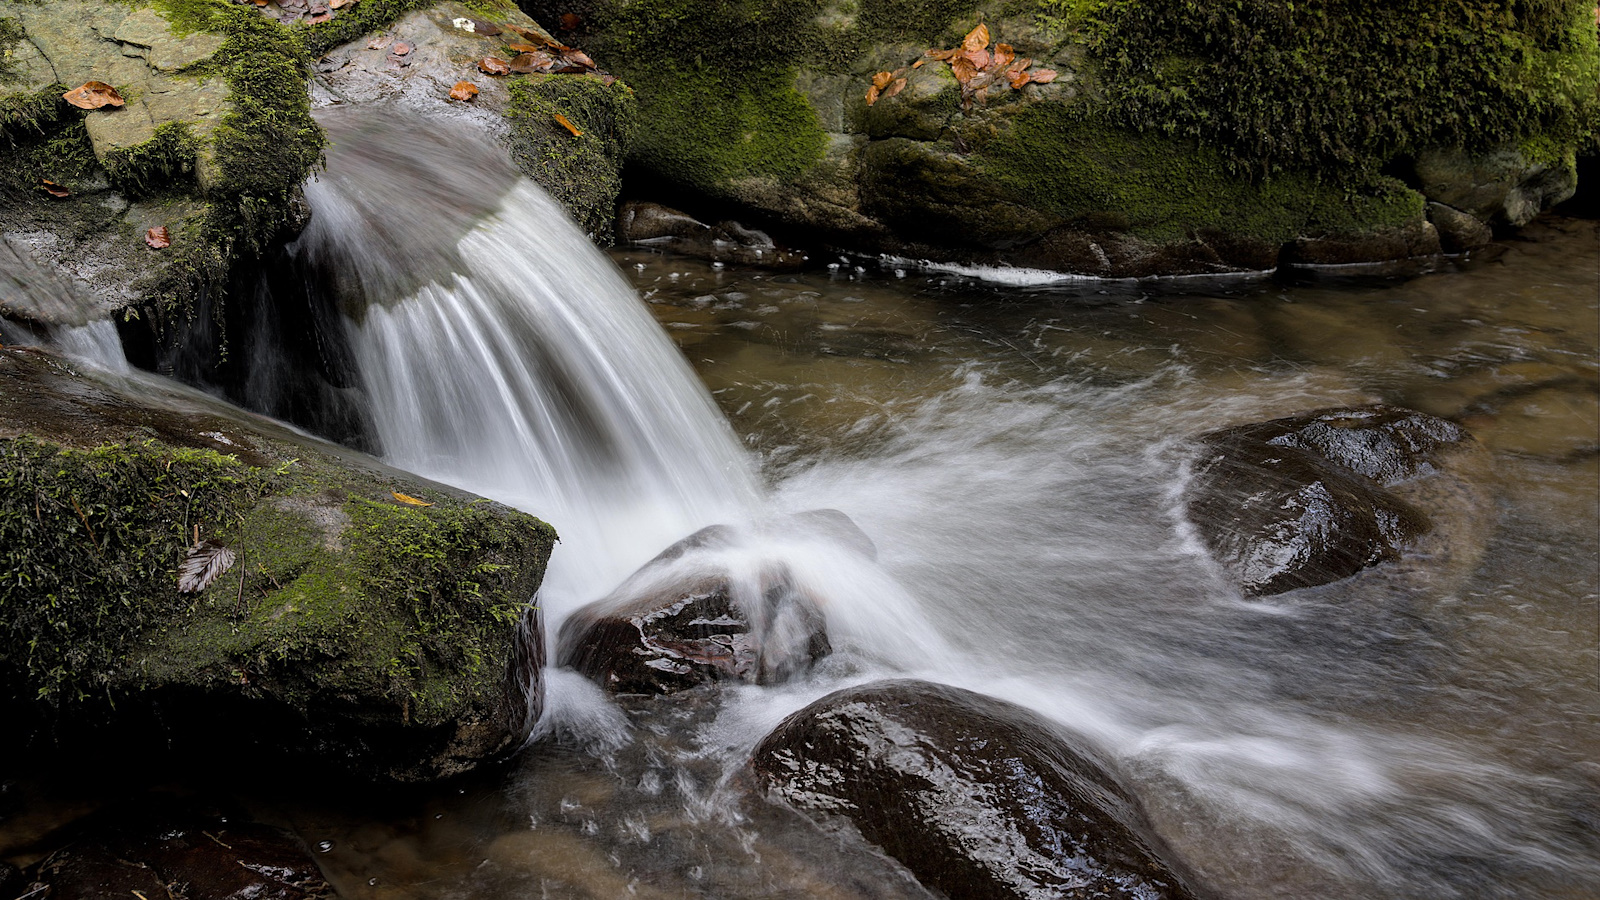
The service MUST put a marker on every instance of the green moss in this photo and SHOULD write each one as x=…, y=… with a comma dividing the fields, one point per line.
x=1162, y=189
x=910, y=21
x=29, y=115
x=583, y=172
x=1348, y=85
x=353, y=22
x=167, y=157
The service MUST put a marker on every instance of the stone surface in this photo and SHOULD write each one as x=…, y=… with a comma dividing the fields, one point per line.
x=980, y=799
x=352, y=626
x=653, y=225
x=1459, y=232
x=689, y=618
x=1312, y=499
x=1502, y=186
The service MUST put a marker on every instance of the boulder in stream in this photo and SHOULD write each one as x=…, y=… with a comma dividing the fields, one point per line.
x=180, y=572
x=978, y=798
x=686, y=618
x=1311, y=499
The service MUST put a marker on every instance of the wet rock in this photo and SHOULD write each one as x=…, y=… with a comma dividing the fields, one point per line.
x=653, y=225
x=1311, y=499
x=686, y=619
x=1459, y=232
x=181, y=851
x=1415, y=238
x=1501, y=186
x=351, y=626
x=978, y=798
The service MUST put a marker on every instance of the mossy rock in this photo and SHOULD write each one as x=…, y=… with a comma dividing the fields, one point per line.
x=354, y=624
x=1252, y=133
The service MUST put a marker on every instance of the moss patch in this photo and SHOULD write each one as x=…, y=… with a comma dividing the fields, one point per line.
x=157, y=163
x=583, y=172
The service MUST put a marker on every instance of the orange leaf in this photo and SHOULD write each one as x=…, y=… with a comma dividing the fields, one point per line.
x=963, y=69
x=570, y=21
x=976, y=39
x=93, y=95
x=577, y=56
x=409, y=500
x=400, y=49
x=562, y=121
x=1020, y=63
x=1018, y=79
x=524, y=63
x=463, y=91
x=918, y=64
x=494, y=65
x=1043, y=76
x=872, y=94
x=158, y=238
x=53, y=189
x=895, y=87
x=979, y=58
x=524, y=48
x=943, y=54
x=1003, y=55
x=535, y=37
x=881, y=80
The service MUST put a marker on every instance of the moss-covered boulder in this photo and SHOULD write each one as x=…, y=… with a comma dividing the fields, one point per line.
x=212, y=144
x=1139, y=137
x=360, y=614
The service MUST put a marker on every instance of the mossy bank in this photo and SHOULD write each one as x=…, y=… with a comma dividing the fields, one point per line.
x=1172, y=137
x=355, y=624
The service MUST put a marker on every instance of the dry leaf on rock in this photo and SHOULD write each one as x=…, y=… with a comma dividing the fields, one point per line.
x=53, y=189
x=93, y=95
x=159, y=238
x=463, y=91
x=1043, y=76
x=203, y=564
x=562, y=121
x=976, y=39
x=494, y=65
x=409, y=500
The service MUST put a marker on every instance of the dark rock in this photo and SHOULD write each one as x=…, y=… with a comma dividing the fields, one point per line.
x=178, y=852
x=1415, y=238
x=639, y=221
x=684, y=620
x=383, y=637
x=1311, y=499
x=1459, y=232
x=980, y=799
x=1500, y=186
x=653, y=225
x=11, y=883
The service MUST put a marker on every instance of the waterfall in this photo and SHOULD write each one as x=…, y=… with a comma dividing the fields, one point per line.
x=502, y=352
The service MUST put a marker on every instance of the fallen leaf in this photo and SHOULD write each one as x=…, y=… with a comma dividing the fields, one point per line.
x=963, y=69
x=570, y=21
x=524, y=48
x=494, y=65
x=203, y=564
x=979, y=58
x=341, y=4
x=1043, y=76
x=409, y=500
x=882, y=79
x=895, y=87
x=526, y=63
x=568, y=68
x=577, y=56
x=380, y=42
x=872, y=94
x=159, y=238
x=562, y=121
x=401, y=48
x=93, y=95
x=319, y=18
x=976, y=39
x=1019, y=79
x=943, y=54
x=488, y=29
x=918, y=64
x=535, y=37
x=1003, y=55
x=463, y=91
x=53, y=189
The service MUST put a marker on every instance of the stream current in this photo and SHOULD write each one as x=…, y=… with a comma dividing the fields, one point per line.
x=1017, y=452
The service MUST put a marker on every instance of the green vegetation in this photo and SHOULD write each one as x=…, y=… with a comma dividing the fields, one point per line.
x=1344, y=85
x=155, y=164
x=583, y=172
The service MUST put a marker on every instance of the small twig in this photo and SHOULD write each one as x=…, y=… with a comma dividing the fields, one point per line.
x=217, y=839
x=85, y=520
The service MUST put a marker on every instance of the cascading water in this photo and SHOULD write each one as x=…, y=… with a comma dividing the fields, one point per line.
x=1031, y=548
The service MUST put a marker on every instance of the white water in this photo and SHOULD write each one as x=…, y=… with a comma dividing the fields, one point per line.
x=1030, y=550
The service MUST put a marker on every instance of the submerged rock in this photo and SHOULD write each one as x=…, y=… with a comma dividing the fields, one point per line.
x=345, y=610
x=175, y=850
x=653, y=225
x=686, y=619
x=980, y=799
x=1311, y=499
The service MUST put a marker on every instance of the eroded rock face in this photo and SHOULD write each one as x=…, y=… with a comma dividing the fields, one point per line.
x=653, y=225
x=379, y=634
x=1311, y=499
x=687, y=618
x=177, y=851
x=978, y=798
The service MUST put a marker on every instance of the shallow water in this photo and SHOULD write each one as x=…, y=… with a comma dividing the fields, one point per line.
x=1016, y=454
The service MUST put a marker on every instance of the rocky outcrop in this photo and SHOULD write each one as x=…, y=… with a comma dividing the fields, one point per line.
x=191, y=574
x=978, y=798
x=689, y=618
x=648, y=224
x=1312, y=499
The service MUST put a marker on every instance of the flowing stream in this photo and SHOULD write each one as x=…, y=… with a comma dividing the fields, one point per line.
x=1017, y=454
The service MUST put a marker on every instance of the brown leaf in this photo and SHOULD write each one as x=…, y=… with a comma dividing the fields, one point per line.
x=494, y=65
x=577, y=56
x=568, y=68
x=534, y=37
x=895, y=87
x=979, y=58
x=943, y=54
x=409, y=500
x=1003, y=55
x=1043, y=76
x=341, y=4
x=93, y=95
x=562, y=121
x=380, y=42
x=401, y=48
x=976, y=39
x=963, y=69
x=1020, y=63
x=203, y=564
x=882, y=79
x=1018, y=79
x=521, y=47
x=53, y=189
x=159, y=238
x=918, y=64
x=464, y=91
x=487, y=29
x=319, y=18
x=571, y=21
x=872, y=94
